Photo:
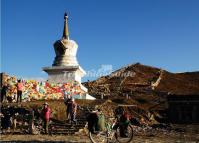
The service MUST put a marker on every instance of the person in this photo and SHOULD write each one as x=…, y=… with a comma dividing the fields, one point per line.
x=96, y=121
x=46, y=112
x=4, y=91
x=31, y=121
x=19, y=91
x=66, y=101
x=71, y=110
x=123, y=120
x=92, y=120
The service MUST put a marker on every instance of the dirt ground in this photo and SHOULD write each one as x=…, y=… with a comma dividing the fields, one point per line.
x=191, y=134
x=181, y=138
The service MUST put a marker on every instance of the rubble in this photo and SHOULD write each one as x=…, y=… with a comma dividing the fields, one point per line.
x=143, y=127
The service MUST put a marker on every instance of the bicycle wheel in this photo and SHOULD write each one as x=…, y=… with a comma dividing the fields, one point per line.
x=98, y=136
x=124, y=134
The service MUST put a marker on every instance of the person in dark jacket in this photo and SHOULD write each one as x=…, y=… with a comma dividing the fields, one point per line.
x=4, y=91
x=92, y=120
x=72, y=110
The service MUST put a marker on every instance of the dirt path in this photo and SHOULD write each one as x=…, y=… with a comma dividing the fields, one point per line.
x=85, y=139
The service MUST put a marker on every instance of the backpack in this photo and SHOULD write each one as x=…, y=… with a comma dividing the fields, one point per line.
x=92, y=120
x=101, y=122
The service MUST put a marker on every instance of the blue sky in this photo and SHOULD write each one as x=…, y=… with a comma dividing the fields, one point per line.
x=160, y=33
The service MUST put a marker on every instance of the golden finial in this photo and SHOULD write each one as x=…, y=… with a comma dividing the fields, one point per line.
x=65, y=32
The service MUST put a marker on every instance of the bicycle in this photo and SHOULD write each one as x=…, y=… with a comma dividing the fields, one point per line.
x=112, y=133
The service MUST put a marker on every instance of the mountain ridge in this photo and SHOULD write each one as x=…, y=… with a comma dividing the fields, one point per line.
x=144, y=84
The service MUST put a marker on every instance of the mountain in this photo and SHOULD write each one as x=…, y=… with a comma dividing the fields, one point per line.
x=178, y=83
x=145, y=86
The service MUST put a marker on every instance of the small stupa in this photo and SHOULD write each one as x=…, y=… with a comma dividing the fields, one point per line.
x=65, y=67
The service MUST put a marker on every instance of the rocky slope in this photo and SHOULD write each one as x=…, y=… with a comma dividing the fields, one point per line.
x=178, y=83
x=145, y=86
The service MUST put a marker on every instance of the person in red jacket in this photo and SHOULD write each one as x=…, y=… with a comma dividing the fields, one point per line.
x=46, y=111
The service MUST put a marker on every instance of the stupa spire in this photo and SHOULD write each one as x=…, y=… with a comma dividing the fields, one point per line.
x=65, y=32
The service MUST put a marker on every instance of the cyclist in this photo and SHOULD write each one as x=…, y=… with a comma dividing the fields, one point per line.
x=122, y=121
x=119, y=130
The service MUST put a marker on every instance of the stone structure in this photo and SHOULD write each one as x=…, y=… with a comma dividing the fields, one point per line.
x=65, y=67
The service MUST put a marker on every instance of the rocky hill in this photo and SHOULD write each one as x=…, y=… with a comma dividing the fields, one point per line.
x=144, y=85
x=178, y=83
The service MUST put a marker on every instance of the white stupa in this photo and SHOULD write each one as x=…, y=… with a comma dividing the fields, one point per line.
x=65, y=67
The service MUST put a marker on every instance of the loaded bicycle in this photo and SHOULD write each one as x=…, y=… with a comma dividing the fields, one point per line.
x=114, y=131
